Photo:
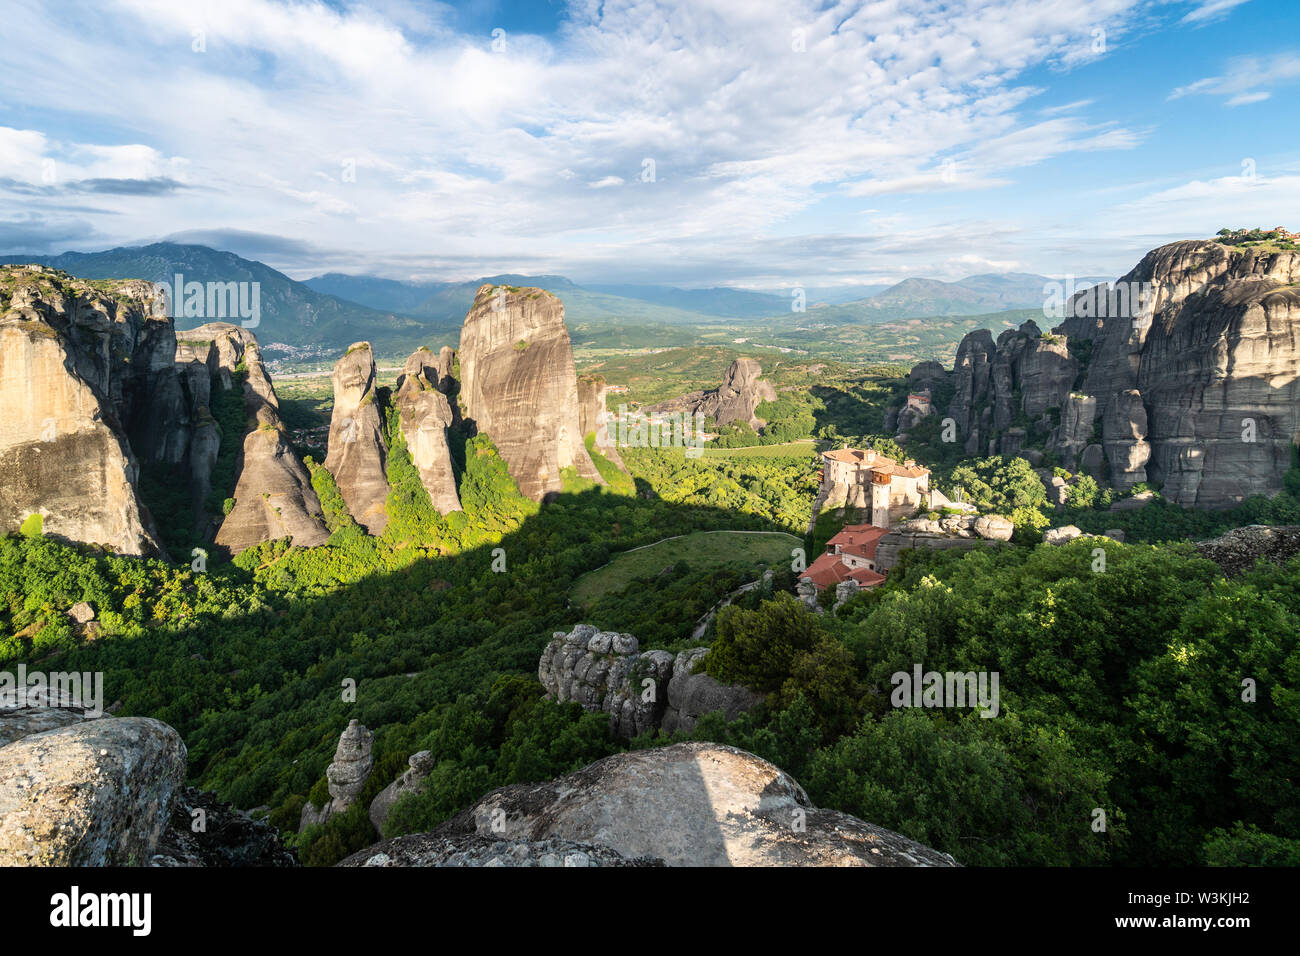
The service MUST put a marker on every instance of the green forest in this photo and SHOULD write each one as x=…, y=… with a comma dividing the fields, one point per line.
x=1155, y=692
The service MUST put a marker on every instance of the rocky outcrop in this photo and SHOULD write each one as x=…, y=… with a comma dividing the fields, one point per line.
x=1239, y=550
x=346, y=775
x=1024, y=376
x=273, y=493
x=518, y=385
x=424, y=416
x=693, y=693
x=204, y=831
x=595, y=418
x=741, y=391
x=1062, y=534
x=605, y=671
x=73, y=361
x=86, y=790
x=90, y=793
x=1188, y=368
x=425, y=849
x=691, y=804
x=419, y=766
x=962, y=532
x=358, y=448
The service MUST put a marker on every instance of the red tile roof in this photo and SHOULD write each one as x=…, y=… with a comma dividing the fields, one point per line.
x=881, y=463
x=829, y=569
x=859, y=539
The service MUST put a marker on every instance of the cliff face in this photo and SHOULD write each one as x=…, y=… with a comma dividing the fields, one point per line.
x=595, y=417
x=273, y=494
x=425, y=417
x=1203, y=397
x=1021, y=378
x=67, y=378
x=358, y=448
x=741, y=391
x=1190, y=382
x=518, y=385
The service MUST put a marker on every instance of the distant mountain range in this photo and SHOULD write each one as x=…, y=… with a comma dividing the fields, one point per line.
x=336, y=309
x=291, y=312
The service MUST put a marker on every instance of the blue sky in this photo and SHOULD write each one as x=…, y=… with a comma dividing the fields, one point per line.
x=790, y=143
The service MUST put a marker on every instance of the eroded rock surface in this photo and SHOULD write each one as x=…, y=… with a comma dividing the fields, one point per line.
x=691, y=804
x=347, y=775
x=518, y=385
x=425, y=417
x=273, y=493
x=72, y=360
x=358, y=448
x=425, y=849
x=90, y=793
x=740, y=393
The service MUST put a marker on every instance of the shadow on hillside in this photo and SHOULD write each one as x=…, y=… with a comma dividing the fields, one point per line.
x=260, y=695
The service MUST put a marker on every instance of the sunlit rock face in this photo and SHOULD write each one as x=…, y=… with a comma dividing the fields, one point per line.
x=425, y=416
x=518, y=385
x=1201, y=394
x=358, y=448
x=273, y=493
x=1183, y=373
x=76, y=363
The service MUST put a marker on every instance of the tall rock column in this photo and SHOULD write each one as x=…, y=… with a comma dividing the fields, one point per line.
x=425, y=416
x=519, y=385
x=273, y=493
x=595, y=416
x=358, y=450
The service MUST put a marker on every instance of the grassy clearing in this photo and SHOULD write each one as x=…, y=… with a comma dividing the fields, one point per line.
x=702, y=549
x=804, y=448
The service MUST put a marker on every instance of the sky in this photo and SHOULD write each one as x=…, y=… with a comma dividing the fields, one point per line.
x=711, y=143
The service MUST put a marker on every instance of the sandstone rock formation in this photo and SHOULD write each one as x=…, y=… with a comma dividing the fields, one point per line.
x=425, y=416
x=273, y=493
x=1183, y=373
x=741, y=391
x=358, y=447
x=419, y=766
x=518, y=385
x=92, y=790
x=693, y=693
x=91, y=793
x=595, y=417
x=691, y=804
x=604, y=671
x=68, y=377
x=347, y=775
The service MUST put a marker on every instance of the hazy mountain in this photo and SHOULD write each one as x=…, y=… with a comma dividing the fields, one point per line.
x=448, y=302
x=911, y=298
x=291, y=312
x=723, y=302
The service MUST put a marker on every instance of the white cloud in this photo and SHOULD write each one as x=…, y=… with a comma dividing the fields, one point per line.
x=1245, y=79
x=1209, y=10
x=409, y=148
